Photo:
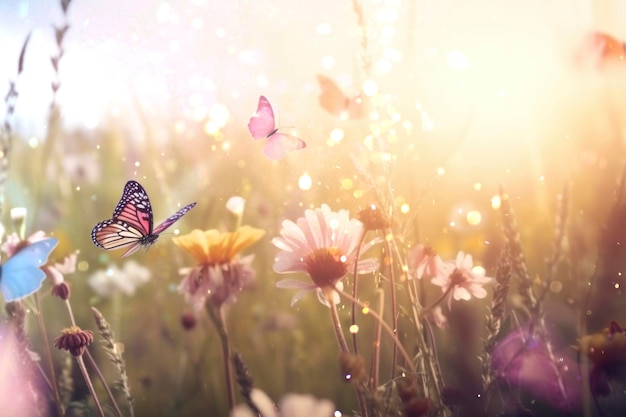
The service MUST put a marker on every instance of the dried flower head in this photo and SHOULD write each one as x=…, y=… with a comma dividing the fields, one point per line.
x=188, y=320
x=352, y=368
x=74, y=339
x=413, y=403
x=373, y=218
x=62, y=290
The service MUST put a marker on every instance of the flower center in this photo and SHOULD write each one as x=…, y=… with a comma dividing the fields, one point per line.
x=326, y=266
x=457, y=278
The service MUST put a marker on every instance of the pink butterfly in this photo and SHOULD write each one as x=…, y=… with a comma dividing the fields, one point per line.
x=263, y=126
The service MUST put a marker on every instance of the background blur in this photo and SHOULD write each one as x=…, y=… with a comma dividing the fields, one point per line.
x=463, y=96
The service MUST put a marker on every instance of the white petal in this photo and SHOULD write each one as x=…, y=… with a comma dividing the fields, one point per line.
x=295, y=284
x=296, y=405
x=479, y=292
x=263, y=403
x=298, y=296
x=288, y=262
x=242, y=411
x=461, y=293
x=367, y=266
x=468, y=262
x=281, y=244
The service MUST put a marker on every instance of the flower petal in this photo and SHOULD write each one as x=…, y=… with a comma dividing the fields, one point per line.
x=295, y=284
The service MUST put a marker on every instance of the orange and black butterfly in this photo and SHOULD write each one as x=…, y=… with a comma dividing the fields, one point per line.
x=131, y=225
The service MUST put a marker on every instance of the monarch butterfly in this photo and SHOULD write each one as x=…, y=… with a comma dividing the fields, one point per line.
x=263, y=126
x=131, y=224
x=20, y=276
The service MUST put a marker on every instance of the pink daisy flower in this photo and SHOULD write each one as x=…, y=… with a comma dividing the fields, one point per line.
x=14, y=243
x=463, y=280
x=322, y=244
x=424, y=262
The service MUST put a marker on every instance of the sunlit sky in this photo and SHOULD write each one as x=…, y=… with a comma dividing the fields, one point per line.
x=179, y=58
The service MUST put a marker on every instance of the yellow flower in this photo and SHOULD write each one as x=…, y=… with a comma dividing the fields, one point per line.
x=220, y=273
x=212, y=247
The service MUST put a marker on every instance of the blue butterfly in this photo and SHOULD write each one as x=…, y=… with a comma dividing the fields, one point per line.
x=20, y=276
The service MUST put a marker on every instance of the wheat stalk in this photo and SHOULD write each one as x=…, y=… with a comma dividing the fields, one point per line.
x=115, y=356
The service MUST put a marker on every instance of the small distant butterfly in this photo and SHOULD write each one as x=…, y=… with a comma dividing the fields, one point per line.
x=131, y=224
x=20, y=276
x=263, y=126
x=334, y=101
x=600, y=49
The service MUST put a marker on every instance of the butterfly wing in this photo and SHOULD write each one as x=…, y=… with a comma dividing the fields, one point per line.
x=598, y=50
x=356, y=107
x=334, y=101
x=134, y=208
x=173, y=218
x=115, y=234
x=21, y=275
x=279, y=144
x=131, y=223
x=263, y=123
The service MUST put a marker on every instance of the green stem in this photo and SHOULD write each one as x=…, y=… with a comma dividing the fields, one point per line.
x=118, y=412
x=46, y=349
x=431, y=307
x=394, y=308
x=220, y=324
x=355, y=286
x=385, y=326
x=343, y=346
x=92, y=391
x=375, y=363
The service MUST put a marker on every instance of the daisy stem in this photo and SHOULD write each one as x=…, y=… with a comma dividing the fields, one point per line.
x=334, y=314
x=375, y=364
x=343, y=346
x=70, y=312
x=92, y=391
x=394, y=308
x=355, y=285
x=431, y=307
x=218, y=318
x=46, y=348
x=385, y=326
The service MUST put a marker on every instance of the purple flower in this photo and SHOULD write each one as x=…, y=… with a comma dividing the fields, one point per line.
x=521, y=359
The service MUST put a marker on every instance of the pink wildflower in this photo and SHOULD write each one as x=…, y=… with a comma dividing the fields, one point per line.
x=424, y=262
x=463, y=281
x=14, y=243
x=322, y=244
